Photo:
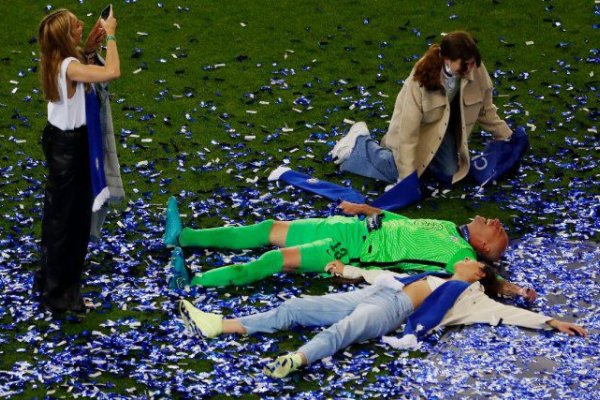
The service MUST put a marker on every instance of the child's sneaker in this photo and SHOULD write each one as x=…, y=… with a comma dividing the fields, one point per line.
x=283, y=365
x=208, y=324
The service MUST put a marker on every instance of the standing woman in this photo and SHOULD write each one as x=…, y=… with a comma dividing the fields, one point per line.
x=67, y=196
x=447, y=93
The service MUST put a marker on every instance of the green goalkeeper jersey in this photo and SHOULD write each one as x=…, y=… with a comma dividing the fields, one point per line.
x=418, y=244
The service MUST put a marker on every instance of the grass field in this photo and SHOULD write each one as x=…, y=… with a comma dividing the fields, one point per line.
x=213, y=96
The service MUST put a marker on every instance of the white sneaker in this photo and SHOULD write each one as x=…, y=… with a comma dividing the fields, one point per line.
x=208, y=324
x=283, y=365
x=343, y=148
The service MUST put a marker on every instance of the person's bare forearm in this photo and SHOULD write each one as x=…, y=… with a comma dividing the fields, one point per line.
x=511, y=290
x=370, y=210
x=356, y=209
x=568, y=327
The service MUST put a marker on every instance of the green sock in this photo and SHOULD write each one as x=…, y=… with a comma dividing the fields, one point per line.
x=228, y=237
x=242, y=274
x=314, y=256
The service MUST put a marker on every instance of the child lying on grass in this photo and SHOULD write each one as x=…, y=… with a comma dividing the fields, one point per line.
x=424, y=301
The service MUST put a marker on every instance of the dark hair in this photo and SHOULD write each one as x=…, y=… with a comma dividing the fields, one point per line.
x=490, y=282
x=461, y=45
x=455, y=45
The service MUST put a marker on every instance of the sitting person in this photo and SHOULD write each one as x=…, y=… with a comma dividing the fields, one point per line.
x=384, y=240
x=448, y=92
x=428, y=300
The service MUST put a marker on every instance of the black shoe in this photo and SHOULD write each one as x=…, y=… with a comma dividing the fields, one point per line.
x=55, y=307
x=39, y=283
x=70, y=300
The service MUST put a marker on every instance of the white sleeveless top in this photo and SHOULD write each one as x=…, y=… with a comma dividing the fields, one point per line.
x=67, y=114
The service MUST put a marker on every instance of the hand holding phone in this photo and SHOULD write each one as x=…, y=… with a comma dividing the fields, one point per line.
x=106, y=12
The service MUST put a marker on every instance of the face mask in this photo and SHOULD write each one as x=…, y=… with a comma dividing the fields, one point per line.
x=447, y=69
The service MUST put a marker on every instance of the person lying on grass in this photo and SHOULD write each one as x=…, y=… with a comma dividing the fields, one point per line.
x=384, y=240
x=423, y=301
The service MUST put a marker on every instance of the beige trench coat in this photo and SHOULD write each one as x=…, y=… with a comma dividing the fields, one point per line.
x=421, y=116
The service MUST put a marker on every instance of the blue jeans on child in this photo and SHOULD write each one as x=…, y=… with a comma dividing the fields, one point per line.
x=354, y=316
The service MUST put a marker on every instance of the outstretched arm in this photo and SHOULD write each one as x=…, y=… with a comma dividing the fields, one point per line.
x=373, y=276
x=358, y=209
x=95, y=73
x=568, y=327
x=476, y=307
x=511, y=290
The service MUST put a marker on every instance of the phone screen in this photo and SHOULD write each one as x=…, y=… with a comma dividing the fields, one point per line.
x=106, y=12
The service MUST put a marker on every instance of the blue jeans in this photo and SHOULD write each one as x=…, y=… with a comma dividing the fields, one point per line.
x=370, y=159
x=354, y=316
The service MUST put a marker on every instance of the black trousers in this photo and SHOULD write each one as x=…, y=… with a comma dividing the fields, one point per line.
x=66, y=217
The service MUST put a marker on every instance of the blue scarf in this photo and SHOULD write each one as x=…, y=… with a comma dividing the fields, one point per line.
x=100, y=190
x=431, y=312
x=499, y=157
x=401, y=195
x=404, y=193
x=326, y=189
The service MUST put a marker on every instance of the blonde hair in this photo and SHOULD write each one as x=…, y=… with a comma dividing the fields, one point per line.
x=56, y=44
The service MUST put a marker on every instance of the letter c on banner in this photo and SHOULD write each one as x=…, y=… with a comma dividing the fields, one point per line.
x=480, y=163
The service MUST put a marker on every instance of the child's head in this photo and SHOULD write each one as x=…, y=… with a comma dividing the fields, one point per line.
x=460, y=48
x=472, y=271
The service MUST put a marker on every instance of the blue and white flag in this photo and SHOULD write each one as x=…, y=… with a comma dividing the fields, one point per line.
x=430, y=313
x=100, y=190
x=499, y=157
x=404, y=193
x=435, y=306
x=326, y=189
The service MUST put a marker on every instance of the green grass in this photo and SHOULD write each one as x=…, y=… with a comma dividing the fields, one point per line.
x=315, y=46
x=330, y=38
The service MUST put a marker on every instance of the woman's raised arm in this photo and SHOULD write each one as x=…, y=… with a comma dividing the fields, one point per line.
x=96, y=73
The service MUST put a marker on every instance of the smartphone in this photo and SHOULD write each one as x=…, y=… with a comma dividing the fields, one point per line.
x=106, y=12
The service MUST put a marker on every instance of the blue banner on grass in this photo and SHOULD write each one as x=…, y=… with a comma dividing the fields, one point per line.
x=404, y=193
x=499, y=157
x=323, y=188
